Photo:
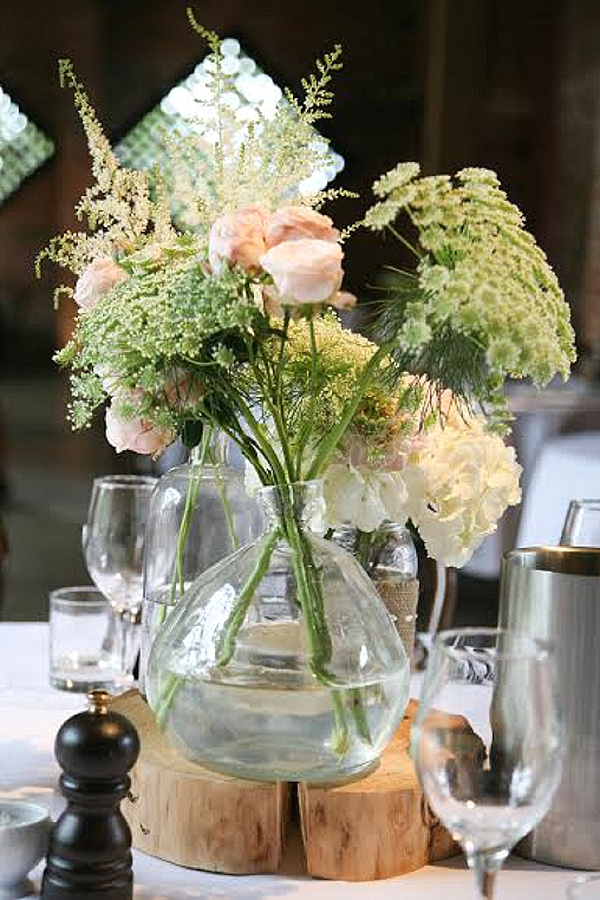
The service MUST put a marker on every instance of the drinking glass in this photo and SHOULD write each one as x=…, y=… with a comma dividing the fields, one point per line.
x=582, y=524
x=83, y=652
x=113, y=545
x=487, y=741
x=585, y=887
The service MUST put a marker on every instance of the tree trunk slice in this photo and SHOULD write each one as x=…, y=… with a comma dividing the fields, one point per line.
x=187, y=815
x=376, y=827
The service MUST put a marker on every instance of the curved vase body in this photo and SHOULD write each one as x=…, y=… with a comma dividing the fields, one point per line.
x=293, y=696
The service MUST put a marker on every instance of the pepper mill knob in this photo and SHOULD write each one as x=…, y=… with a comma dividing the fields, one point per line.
x=89, y=856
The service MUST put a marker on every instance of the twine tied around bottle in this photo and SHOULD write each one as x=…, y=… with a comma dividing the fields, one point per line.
x=401, y=599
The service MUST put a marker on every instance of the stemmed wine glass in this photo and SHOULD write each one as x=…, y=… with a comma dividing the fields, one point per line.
x=582, y=524
x=487, y=741
x=113, y=545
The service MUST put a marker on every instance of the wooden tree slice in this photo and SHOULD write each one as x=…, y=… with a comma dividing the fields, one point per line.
x=376, y=827
x=185, y=814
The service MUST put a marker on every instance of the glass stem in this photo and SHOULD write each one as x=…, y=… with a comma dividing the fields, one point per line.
x=485, y=868
x=128, y=640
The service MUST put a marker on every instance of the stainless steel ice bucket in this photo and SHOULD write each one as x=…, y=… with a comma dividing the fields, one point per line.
x=554, y=593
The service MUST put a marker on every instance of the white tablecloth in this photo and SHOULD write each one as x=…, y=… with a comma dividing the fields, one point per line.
x=30, y=715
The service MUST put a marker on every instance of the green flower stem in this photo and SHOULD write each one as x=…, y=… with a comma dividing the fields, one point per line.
x=363, y=548
x=360, y=716
x=340, y=739
x=314, y=372
x=170, y=688
x=184, y=528
x=225, y=501
x=329, y=444
x=239, y=612
x=318, y=633
x=232, y=627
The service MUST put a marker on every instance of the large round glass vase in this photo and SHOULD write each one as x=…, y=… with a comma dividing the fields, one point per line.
x=199, y=514
x=281, y=663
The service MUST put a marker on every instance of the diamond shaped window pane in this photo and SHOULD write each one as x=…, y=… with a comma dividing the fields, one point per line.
x=23, y=147
x=182, y=111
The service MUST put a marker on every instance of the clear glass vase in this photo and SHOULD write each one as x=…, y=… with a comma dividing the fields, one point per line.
x=282, y=662
x=389, y=557
x=199, y=514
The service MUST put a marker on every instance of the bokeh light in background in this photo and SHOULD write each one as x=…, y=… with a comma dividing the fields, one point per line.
x=185, y=109
x=23, y=147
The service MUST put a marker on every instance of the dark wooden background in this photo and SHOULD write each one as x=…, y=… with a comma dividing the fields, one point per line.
x=513, y=84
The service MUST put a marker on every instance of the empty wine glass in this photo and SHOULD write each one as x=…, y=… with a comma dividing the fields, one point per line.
x=582, y=524
x=113, y=545
x=487, y=741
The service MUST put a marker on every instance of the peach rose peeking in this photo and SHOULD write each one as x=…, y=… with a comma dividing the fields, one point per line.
x=293, y=223
x=135, y=434
x=238, y=238
x=343, y=301
x=97, y=279
x=305, y=270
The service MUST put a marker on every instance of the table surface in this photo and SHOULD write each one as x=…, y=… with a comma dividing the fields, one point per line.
x=30, y=715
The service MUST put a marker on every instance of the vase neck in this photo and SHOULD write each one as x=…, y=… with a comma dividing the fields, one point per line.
x=302, y=500
x=217, y=453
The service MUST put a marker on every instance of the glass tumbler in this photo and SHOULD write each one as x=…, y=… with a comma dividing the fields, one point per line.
x=582, y=524
x=84, y=650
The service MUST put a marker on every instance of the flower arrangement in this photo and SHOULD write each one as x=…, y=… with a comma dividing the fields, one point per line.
x=208, y=301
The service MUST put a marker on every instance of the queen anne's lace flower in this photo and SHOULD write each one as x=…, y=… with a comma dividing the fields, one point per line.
x=482, y=285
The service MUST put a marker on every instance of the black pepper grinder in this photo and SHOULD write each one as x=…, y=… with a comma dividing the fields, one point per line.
x=89, y=855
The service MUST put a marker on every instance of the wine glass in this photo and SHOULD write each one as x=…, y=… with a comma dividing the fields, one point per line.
x=113, y=545
x=487, y=741
x=582, y=524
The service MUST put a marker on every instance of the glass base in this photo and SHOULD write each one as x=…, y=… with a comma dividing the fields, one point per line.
x=84, y=684
x=269, y=733
x=322, y=778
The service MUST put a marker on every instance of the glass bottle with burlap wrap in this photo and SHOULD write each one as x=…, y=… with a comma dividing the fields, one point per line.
x=389, y=557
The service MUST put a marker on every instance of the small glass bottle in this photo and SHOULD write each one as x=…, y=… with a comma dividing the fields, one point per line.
x=389, y=557
x=199, y=514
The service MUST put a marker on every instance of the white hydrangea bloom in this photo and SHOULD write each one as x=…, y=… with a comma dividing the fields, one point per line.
x=459, y=485
x=455, y=486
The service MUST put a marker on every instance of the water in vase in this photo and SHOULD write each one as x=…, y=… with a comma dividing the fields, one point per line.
x=289, y=729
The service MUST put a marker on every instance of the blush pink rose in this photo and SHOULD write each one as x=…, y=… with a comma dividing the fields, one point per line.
x=293, y=223
x=97, y=279
x=305, y=271
x=238, y=238
x=135, y=434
